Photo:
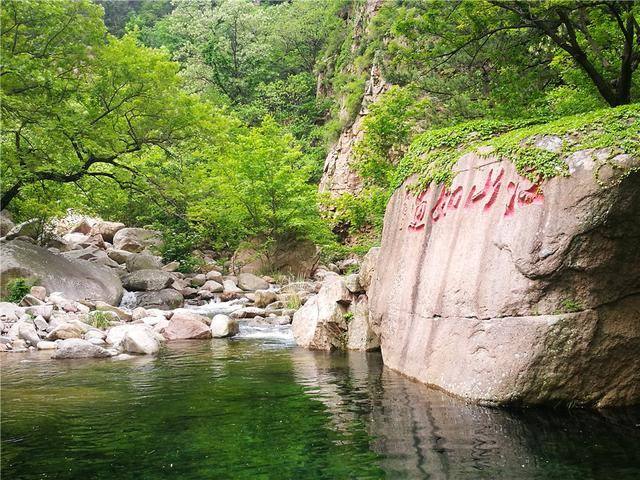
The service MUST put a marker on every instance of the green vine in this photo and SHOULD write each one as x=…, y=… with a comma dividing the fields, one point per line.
x=433, y=154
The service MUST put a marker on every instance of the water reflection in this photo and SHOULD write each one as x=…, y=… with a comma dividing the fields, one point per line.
x=252, y=408
x=421, y=432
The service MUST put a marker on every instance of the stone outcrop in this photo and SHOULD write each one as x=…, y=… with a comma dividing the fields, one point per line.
x=76, y=279
x=502, y=291
x=298, y=258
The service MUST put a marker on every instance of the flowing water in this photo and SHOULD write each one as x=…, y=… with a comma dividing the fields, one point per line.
x=259, y=408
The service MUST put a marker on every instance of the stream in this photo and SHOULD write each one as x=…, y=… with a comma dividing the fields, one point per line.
x=257, y=407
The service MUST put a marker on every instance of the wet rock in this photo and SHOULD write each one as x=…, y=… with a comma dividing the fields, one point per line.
x=78, y=348
x=223, y=326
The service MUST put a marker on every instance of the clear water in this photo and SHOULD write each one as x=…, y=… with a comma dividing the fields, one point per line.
x=259, y=408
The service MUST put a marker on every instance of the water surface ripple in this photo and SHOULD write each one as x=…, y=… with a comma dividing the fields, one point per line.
x=260, y=408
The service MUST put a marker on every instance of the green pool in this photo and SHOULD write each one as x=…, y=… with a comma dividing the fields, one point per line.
x=264, y=409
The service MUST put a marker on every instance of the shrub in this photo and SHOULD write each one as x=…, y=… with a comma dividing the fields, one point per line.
x=99, y=319
x=17, y=289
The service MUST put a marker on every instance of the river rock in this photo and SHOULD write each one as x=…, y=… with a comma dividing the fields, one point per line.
x=215, y=276
x=65, y=331
x=118, y=256
x=78, y=348
x=44, y=311
x=320, y=323
x=502, y=291
x=262, y=298
x=136, y=239
x=231, y=287
x=212, y=286
x=198, y=280
x=223, y=326
x=46, y=345
x=147, y=280
x=140, y=339
x=29, y=301
x=186, y=329
x=166, y=299
x=143, y=261
x=39, y=292
x=10, y=312
x=251, y=282
x=76, y=279
x=27, y=332
x=106, y=229
x=181, y=314
x=121, y=314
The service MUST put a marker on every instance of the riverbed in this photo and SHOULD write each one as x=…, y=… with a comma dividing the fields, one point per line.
x=257, y=407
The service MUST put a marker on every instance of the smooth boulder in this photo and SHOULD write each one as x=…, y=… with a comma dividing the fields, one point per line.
x=75, y=279
x=78, y=348
x=136, y=239
x=186, y=329
x=250, y=282
x=147, y=280
x=223, y=326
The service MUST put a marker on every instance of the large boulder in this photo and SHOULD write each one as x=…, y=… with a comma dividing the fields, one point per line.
x=503, y=291
x=147, y=280
x=136, y=239
x=322, y=321
x=78, y=348
x=166, y=299
x=31, y=228
x=76, y=279
x=298, y=258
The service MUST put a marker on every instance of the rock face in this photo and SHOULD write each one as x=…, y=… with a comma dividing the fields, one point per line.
x=76, y=279
x=502, y=291
x=296, y=258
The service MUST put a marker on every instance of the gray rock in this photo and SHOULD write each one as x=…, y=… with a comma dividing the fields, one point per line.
x=147, y=280
x=166, y=299
x=143, y=261
x=118, y=256
x=140, y=339
x=231, y=287
x=262, y=298
x=46, y=345
x=105, y=307
x=107, y=229
x=40, y=323
x=76, y=279
x=352, y=283
x=198, y=280
x=10, y=312
x=212, y=286
x=136, y=239
x=6, y=224
x=39, y=292
x=251, y=282
x=368, y=268
x=78, y=348
x=31, y=229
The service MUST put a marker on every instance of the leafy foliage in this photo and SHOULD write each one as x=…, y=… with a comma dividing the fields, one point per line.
x=17, y=289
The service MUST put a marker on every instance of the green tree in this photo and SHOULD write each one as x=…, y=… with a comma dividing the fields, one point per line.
x=75, y=106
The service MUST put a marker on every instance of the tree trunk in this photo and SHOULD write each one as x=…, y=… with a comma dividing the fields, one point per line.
x=9, y=195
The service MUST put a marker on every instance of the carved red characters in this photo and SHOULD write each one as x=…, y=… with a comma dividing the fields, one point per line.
x=451, y=199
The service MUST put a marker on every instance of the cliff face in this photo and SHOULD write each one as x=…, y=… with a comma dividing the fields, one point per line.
x=502, y=291
x=338, y=175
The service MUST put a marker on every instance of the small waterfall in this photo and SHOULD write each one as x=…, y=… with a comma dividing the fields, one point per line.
x=128, y=301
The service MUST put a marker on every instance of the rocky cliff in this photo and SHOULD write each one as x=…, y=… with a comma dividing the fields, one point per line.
x=338, y=174
x=503, y=291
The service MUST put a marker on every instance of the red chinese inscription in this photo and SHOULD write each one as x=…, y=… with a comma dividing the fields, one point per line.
x=487, y=196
